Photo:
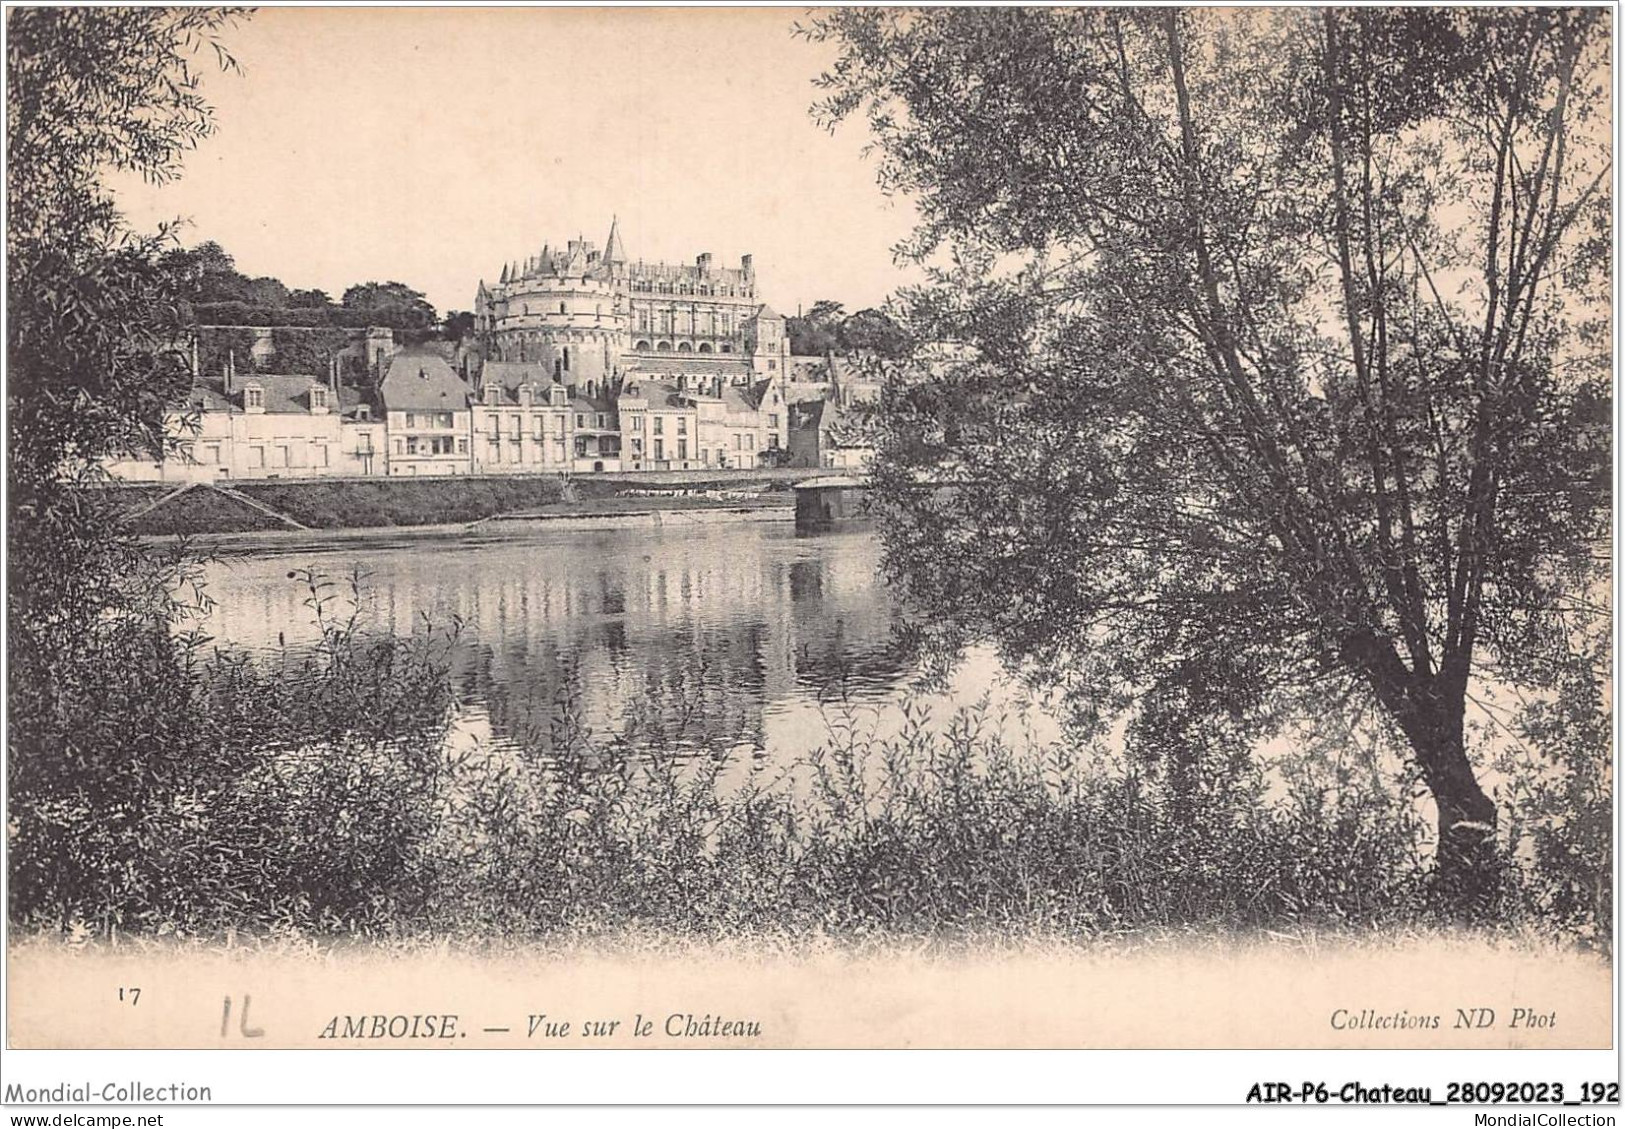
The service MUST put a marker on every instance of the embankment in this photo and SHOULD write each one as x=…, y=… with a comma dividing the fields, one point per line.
x=425, y=505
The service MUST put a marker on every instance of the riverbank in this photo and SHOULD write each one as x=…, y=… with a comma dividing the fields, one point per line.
x=318, y=510
x=505, y=527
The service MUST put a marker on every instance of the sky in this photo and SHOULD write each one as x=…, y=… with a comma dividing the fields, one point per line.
x=429, y=146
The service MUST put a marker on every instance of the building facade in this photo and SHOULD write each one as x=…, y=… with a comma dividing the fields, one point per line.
x=582, y=361
x=428, y=416
x=584, y=314
x=266, y=425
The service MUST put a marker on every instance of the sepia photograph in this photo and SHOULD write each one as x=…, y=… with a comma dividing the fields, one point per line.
x=1079, y=528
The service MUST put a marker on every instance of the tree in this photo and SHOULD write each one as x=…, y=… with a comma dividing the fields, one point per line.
x=97, y=343
x=1294, y=392
x=309, y=299
x=816, y=332
x=873, y=331
x=266, y=292
x=457, y=325
x=394, y=303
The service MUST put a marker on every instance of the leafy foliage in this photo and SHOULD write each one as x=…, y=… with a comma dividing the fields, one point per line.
x=1285, y=383
x=96, y=353
x=397, y=301
x=826, y=328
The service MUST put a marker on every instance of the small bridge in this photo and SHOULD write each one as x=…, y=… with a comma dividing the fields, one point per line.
x=830, y=501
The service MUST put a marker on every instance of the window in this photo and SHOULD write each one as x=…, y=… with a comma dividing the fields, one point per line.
x=660, y=423
x=537, y=426
x=682, y=425
x=739, y=441
x=515, y=425
x=773, y=419
x=581, y=419
x=318, y=397
x=411, y=420
x=256, y=456
x=660, y=448
x=319, y=455
x=750, y=441
x=211, y=453
x=601, y=419
x=462, y=446
x=705, y=456
x=400, y=446
x=558, y=426
x=637, y=445
x=558, y=450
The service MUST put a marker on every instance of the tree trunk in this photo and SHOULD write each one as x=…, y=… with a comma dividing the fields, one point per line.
x=1431, y=711
x=1468, y=857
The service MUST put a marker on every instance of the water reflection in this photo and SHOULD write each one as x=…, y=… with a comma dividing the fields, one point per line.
x=726, y=637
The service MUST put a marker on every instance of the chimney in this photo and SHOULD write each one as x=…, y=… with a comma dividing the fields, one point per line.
x=704, y=262
x=229, y=372
x=744, y=263
x=333, y=373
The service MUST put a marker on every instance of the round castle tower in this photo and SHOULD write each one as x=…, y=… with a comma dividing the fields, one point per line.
x=560, y=310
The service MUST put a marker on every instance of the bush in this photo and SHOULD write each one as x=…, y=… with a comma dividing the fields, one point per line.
x=196, y=790
x=326, y=794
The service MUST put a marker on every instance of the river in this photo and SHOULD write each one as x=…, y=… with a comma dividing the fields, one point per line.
x=745, y=637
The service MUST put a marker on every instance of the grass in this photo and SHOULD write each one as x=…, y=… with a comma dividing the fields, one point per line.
x=200, y=795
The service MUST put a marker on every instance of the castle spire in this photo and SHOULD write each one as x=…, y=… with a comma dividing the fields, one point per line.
x=613, y=251
x=504, y=273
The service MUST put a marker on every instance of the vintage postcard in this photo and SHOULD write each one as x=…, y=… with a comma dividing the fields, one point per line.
x=1027, y=528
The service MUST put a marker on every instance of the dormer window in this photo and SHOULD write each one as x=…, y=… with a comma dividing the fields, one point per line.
x=318, y=398
x=493, y=394
x=253, y=398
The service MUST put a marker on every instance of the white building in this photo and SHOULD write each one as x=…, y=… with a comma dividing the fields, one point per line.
x=266, y=426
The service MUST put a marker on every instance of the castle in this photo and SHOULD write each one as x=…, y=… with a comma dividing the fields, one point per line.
x=584, y=315
x=582, y=361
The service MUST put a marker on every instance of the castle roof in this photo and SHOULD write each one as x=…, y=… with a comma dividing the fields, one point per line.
x=613, y=251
